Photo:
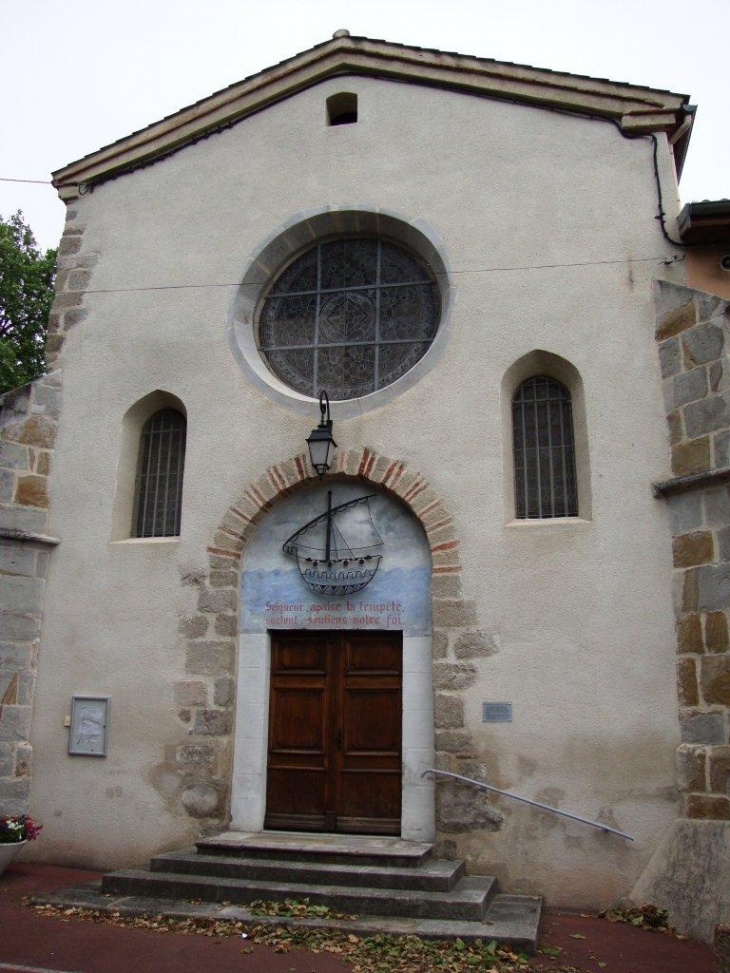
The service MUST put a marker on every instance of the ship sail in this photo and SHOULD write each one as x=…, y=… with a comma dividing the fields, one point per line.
x=328, y=563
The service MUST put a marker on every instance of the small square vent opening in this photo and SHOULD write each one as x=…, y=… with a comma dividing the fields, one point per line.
x=342, y=109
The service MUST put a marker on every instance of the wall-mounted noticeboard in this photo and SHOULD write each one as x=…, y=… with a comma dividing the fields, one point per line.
x=89, y=724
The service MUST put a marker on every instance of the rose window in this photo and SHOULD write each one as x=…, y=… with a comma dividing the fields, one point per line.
x=350, y=316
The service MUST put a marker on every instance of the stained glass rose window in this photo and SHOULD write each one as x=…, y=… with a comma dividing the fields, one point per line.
x=349, y=315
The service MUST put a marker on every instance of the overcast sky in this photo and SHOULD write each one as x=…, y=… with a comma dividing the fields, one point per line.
x=78, y=74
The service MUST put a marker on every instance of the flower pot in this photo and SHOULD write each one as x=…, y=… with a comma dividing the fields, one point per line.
x=8, y=851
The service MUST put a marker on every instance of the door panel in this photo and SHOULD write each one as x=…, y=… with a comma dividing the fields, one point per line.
x=369, y=721
x=335, y=732
x=297, y=733
x=299, y=724
x=372, y=652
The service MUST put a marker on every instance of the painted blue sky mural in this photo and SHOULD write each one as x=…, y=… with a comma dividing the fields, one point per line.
x=274, y=595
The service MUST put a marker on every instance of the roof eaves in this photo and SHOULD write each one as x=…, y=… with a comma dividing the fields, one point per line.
x=707, y=222
x=635, y=108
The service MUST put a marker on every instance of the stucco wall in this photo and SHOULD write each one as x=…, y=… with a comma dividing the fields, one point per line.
x=546, y=222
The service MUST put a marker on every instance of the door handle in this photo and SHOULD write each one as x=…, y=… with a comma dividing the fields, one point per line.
x=338, y=740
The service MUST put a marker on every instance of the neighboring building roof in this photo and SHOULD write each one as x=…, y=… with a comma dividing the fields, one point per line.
x=637, y=109
x=705, y=222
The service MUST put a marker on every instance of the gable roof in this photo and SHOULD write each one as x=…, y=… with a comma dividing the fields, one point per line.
x=636, y=109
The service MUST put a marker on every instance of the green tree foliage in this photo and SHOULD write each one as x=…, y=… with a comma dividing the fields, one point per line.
x=26, y=295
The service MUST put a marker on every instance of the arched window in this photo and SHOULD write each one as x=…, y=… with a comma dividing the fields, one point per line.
x=544, y=450
x=158, y=487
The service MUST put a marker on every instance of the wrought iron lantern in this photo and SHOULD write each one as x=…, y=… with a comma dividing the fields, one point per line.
x=320, y=441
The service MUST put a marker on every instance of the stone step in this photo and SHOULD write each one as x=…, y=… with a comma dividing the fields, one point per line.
x=333, y=849
x=386, y=885
x=512, y=920
x=431, y=876
x=467, y=901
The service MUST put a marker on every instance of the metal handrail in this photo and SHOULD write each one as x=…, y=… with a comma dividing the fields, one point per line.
x=526, y=800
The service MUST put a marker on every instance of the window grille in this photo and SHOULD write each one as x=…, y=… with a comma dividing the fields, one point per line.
x=349, y=315
x=544, y=450
x=158, y=489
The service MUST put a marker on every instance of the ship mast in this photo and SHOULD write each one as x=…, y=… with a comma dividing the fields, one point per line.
x=328, y=543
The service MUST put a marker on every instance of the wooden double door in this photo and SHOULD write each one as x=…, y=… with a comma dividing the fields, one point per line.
x=335, y=715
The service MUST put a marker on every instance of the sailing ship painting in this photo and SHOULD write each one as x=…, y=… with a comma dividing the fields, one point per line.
x=328, y=563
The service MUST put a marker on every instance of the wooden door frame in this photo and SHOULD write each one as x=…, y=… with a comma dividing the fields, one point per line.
x=248, y=786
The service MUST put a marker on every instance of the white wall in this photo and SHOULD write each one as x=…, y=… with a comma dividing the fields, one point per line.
x=548, y=226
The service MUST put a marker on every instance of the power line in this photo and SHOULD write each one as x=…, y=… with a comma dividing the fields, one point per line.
x=450, y=273
x=40, y=182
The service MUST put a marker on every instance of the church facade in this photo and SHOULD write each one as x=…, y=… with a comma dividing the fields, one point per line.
x=514, y=569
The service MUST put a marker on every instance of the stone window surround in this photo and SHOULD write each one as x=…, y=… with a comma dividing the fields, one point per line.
x=296, y=235
x=542, y=362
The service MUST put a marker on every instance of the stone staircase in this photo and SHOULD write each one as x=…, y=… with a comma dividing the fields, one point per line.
x=386, y=884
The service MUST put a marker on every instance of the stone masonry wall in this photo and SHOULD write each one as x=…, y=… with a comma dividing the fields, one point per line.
x=73, y=275
x=208, y=630
x=28, y=423
x=693, y=332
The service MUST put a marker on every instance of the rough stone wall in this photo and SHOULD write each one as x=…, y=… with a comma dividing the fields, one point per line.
x=206, y=697
x=693, y=331
x=73, y=275
x=28, y=423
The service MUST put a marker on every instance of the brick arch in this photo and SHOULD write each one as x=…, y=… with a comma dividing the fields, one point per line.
x=206, y=698
x=411, y=487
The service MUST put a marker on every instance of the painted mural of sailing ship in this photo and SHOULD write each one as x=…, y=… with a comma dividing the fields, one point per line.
x=328, y=563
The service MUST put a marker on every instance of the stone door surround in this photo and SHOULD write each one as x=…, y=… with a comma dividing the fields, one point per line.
x=206, y=697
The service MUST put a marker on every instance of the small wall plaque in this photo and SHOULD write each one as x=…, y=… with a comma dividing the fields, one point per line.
x=89, y=722
x=496, y=712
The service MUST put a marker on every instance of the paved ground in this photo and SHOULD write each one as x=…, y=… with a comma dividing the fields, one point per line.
x=31, y=943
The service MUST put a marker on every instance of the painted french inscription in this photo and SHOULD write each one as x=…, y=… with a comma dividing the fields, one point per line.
x=343, y=613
